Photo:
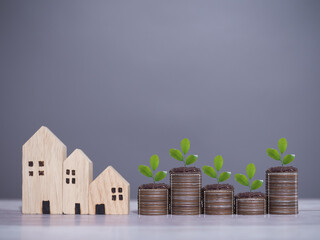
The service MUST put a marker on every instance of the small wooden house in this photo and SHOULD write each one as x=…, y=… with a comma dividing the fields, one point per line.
x=42, y=159
x=77, y=176
x=109, y=193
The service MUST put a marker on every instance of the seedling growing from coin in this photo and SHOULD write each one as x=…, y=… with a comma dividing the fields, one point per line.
x=211, y=172
x=154, y=162
x=176, y=154
x=242, y=179
x=282, y=145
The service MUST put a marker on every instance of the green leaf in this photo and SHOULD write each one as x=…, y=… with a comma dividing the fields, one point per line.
x=176, y=154
x=256, y=184
x=154, y=162
x=209, y=171
x=251, y=170
x=191, y=159
x=145, y=170
x=288, y=158
x=273, y=153
x=224, y=176
x=160, y=175
x=282, y=145
x=218, y=162
x=185, y=145
x=242, y=179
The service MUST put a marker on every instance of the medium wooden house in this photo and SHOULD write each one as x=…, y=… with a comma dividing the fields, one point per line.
x=77, y=176
x=42, y=161
x=109, y=193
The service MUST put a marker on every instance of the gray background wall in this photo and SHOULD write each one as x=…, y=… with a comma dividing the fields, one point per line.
x=123, y=80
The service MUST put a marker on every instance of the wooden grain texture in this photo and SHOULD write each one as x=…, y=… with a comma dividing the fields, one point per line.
x=218, y=202
x=77, y=176
x=153, y=201
x=101, y=192
x=282, y=192
x=251, y=206
x=185, y=193
x=42, y=159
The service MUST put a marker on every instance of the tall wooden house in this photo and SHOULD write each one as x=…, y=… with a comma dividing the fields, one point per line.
x=77, y=176
x=109, y=193
x=42, y=162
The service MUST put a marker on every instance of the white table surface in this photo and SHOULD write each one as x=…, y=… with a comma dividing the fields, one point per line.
x=14, y=225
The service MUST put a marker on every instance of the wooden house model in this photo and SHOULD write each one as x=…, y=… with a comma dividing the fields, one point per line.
x=77, y=176
x=42, y=161
x=55, y=184
x=109, y=193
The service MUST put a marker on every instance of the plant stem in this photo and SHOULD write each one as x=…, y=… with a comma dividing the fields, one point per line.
x=281, y=159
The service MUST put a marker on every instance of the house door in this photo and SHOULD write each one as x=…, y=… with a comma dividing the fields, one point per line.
x=100, y=209
x=77, y=208
x=45, y=207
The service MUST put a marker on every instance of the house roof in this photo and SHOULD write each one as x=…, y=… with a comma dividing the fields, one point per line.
x=78, y=155
x=43, y=132
x=106, y=172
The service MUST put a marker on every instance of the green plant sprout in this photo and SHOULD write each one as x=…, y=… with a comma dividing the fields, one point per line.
x=211, y=172
x=282, y=145
x=242, y=179
x=176, y=154
x=154, y=162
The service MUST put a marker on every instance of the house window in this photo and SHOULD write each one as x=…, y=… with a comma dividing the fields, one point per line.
x=68, y=172
x=73, y=172
x=30, y=173
x=114, y=190
x=41, y=163
x=30, y=163
x=73, y=181
x=41, y=173
x=67, y=180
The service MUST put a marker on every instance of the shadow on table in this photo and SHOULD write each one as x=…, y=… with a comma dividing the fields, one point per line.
x=13, y=217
